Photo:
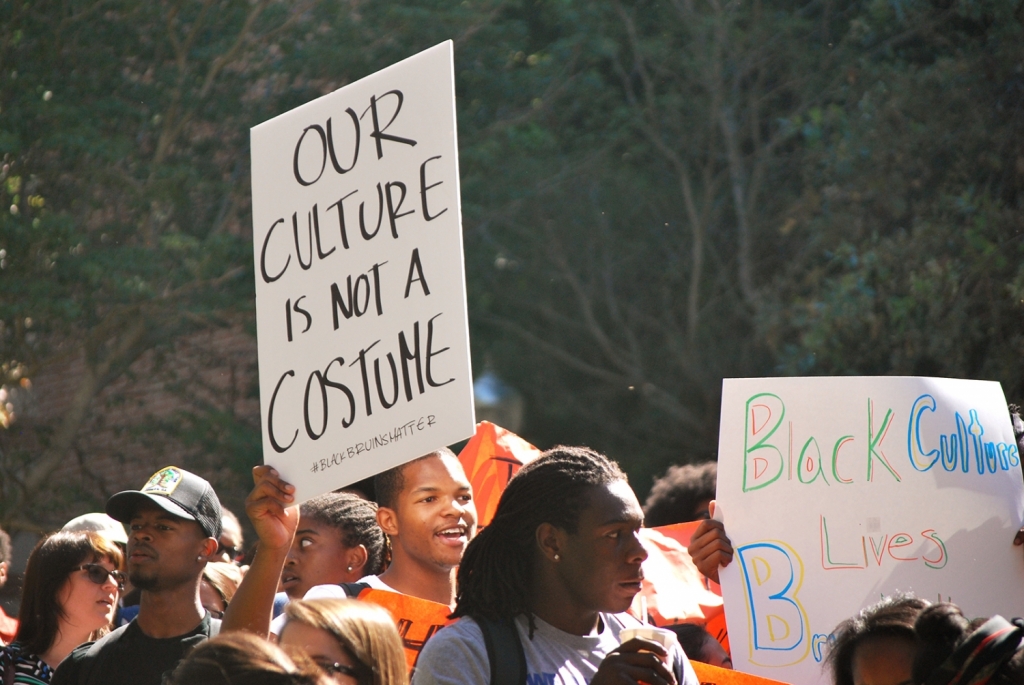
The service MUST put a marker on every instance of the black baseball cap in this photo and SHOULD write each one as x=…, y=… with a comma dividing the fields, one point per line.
x=177, y=492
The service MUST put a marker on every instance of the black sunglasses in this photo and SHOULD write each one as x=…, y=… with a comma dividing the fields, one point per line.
x=230, y=551
x=98, y=574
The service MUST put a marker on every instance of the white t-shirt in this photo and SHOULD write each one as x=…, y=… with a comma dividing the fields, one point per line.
x=457, y=655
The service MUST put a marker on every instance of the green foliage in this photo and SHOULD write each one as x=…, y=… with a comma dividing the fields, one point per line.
x=656, y=195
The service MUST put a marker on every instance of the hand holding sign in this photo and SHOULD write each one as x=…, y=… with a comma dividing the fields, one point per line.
x=710, y=548
x=270, y=509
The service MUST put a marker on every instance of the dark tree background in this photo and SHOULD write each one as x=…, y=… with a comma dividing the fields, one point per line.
x=656, y=195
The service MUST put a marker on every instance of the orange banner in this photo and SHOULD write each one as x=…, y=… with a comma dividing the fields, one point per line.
x=713, y=675
x=675, y=590
x=491, y=457
x=416, y=619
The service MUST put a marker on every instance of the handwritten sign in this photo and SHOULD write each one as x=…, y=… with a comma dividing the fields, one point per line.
x=837, y=491
x=360, y=287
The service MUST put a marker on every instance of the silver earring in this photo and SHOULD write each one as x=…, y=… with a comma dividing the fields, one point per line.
x=557, y=558
x=350, y=569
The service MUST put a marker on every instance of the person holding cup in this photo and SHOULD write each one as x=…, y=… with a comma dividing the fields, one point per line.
x=557, y=568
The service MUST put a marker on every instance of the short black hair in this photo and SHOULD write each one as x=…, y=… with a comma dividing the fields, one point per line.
x=388, y=484
x=893, y=617
x=693, y=639
x=355, y=518
x=676, y=494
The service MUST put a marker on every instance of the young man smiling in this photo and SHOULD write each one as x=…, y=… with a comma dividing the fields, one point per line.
x=175, y=523
x=427, y=511
x=554, y=571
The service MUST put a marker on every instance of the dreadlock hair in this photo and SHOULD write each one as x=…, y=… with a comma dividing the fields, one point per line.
x=356, y=520
x=497, y=569
x=388, y=485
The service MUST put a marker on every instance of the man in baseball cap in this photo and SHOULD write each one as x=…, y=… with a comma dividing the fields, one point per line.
x=174, y=522
x=177, y=492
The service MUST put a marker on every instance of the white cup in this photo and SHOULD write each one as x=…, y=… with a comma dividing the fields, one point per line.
x=664, y=637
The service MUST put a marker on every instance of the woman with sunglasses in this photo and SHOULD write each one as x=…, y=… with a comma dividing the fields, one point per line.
x=70, y=595
x=355, y=643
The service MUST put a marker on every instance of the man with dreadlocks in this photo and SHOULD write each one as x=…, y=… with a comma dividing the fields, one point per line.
x=560, y=562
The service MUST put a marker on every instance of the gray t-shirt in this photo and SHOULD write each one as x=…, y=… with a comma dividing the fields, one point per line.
x=457, y=655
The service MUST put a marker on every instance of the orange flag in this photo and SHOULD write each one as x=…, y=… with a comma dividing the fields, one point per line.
x=676, y=591
x=491, y=457
x=713, y=675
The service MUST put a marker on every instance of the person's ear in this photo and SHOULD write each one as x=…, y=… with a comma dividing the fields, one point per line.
x=387, y=519
x=551, y=541
x=355, y=559
x=3, y=573
x=209, y=549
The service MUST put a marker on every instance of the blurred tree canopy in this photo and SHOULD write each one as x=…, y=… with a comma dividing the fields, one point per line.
x=656, y=195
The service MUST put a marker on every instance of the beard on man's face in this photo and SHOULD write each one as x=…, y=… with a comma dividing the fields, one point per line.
x=143, y=580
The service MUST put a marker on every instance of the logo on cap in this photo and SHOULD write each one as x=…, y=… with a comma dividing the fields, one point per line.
x=163, y=482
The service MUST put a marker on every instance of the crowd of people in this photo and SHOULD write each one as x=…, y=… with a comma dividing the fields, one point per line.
x=345, y=589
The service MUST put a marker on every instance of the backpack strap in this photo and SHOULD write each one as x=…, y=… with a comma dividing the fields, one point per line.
x=504, y=651
x=353, y=590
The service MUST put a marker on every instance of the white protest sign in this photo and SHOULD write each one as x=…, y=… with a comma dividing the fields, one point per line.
x=360, y=287
x=837, y=491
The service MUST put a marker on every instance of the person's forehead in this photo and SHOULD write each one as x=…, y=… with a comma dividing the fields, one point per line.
x=434, y=472
x=316, y=527
x=613, y=502
x=883, y=660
